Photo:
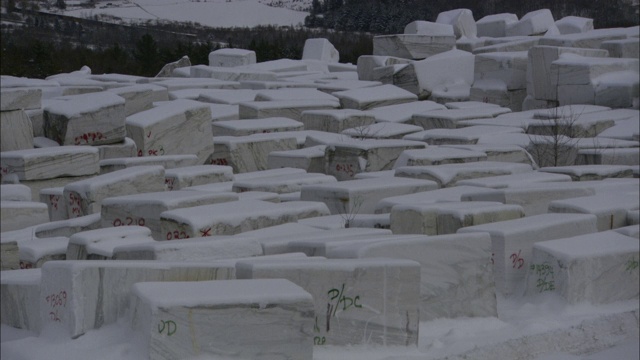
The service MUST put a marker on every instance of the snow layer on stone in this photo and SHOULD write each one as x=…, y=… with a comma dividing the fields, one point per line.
x=293, y=94
x=382, y=131
x=589, y=245
x=437, y=155
x=610, y=209
x=516, y=180
x=446, y=68
x=320, y=49
x=402, y=113
x=372, y=97
x=574, y=24
x=446, y=175
x=178, y=84
x=494, y=25
x=15, y=192
x=532, y=23
x=428, y=28
x=465, y=135
x=461, y=20
x=220, y=96
x=48, y=163
x=92, y=184
x=283, y=183
x=78, y=105
x=34, y=250
x=440, y=195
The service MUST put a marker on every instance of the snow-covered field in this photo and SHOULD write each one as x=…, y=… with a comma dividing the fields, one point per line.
x=213, y=13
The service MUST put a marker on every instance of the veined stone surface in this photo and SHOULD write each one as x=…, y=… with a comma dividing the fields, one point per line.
x=140, y=97
x=20, y=299
x=166, y=161
x=20, y=99
x=250, y=153
x=412, y=46
x=17, y=215
x=99, y=244
x=495, y=25
x=49, y=163
x=16, y=131
x=283, y=108
x=449, y=174
x=182, y=177
x=231, y=57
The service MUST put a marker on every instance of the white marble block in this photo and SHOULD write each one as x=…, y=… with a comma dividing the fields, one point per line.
x=444, y=72
x=461, y=20
x=258, y=126
x=507, y=44
x=517, y=180
x=591, y=172
x=282, y=184
x=346, y=159
x=368, y=63
x=596, y=268
x=234, y=217
x=9, y=259
x=145, y=209
x=448, y=119
x=197, y=80
x=99, y=244
x=192, y=249
x=381, y=131
x=356, y=301
x=140, y=97
x=252, y=319
x=335, y=121
x=250, y=153
x=166, y=161
x=462, y=136
x=448, y=217
x=412, y=46
x=372, y=97
x=292, y=94
x=499, y=152
x=532, y=23
x=615, y=156
x=361, y=196
x=448, y=175
x=17, y=215
x=455, y=194
x=16, y=131
x=20, y=99
x=283, y=108
x=310, y=159
x=320, y=49
x=182, y=177
x=279, y=66
x=126, y=148
x=20, y=299
x=456, y=274
x=610, y=209
x=174, y=128
x=510, y=67
x=48, y=163
x=428, y=28
x=624, y=48
x=512, y=242
x=590, y=39
x=495, y=25
x=35, y=252
x=496, y=92
x=15, y=192
x=85, y=197
x=232, y=57
x=438, y=155
x=402, y=113
x=574, y=24
x=88, y=119
x=80, y=295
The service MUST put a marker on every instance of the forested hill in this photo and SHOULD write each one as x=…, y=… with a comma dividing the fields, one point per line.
x=391, y=16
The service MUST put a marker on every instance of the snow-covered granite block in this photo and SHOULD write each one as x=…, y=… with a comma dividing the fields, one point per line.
x=87, y=119
x=250, y=153
x=234, y=217
x=283, y=108
x=574, y=24
x=351, y=306
x=126, y=148
x=310, y=159
x=624, y=48
x=335, y=121
x=346, y=159
x=596, y=268
x=428, y=28
x=372, y=97
x=427, y=197
x=495, y=25
x=412, y=46
x=540, y=58
x=84, y=197
x=34, y=253
x=320, y=49
x=610, y=209
x=174, y=128
x=140, y=97
x=145, y=209
x=456, y=275
x=438, y=155
x=15, y=215
x=182, y=177
x=449, y=174
x=20, y=299
x=532, y=23
x=49, y=163
x=461, y=136
x=16, y=131
x=282, y=184
x=448, y=217
x=252, y=319
x=258, y=126
x=99, y=244
x=512, y=242
x=448, y=119
x=80, y=295
x=510, y=67
x=462, y=21
x=20, y=99
x=232, y=57
x=361, y=196
x=192, y=249
x=15, y=192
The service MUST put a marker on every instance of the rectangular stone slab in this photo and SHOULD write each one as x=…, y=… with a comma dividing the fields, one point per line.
x=49, y=163
x=84, y=197
x=98, y=244
x=248, y=126
x=20, y=296
x=249, y=153
x=284, y=108
x=145, y=209
x=375, y=96
x=356, y=301
x=596, y=268
x=82, y=295
x=449, y=174
x=16, y=131
x=254, y=319
x=182, y=177
x=412, y=46
x=512, y=242
x=234, y=217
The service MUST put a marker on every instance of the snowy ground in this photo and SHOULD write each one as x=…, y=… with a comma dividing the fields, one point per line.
x=213, y=13
x=439, y=339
